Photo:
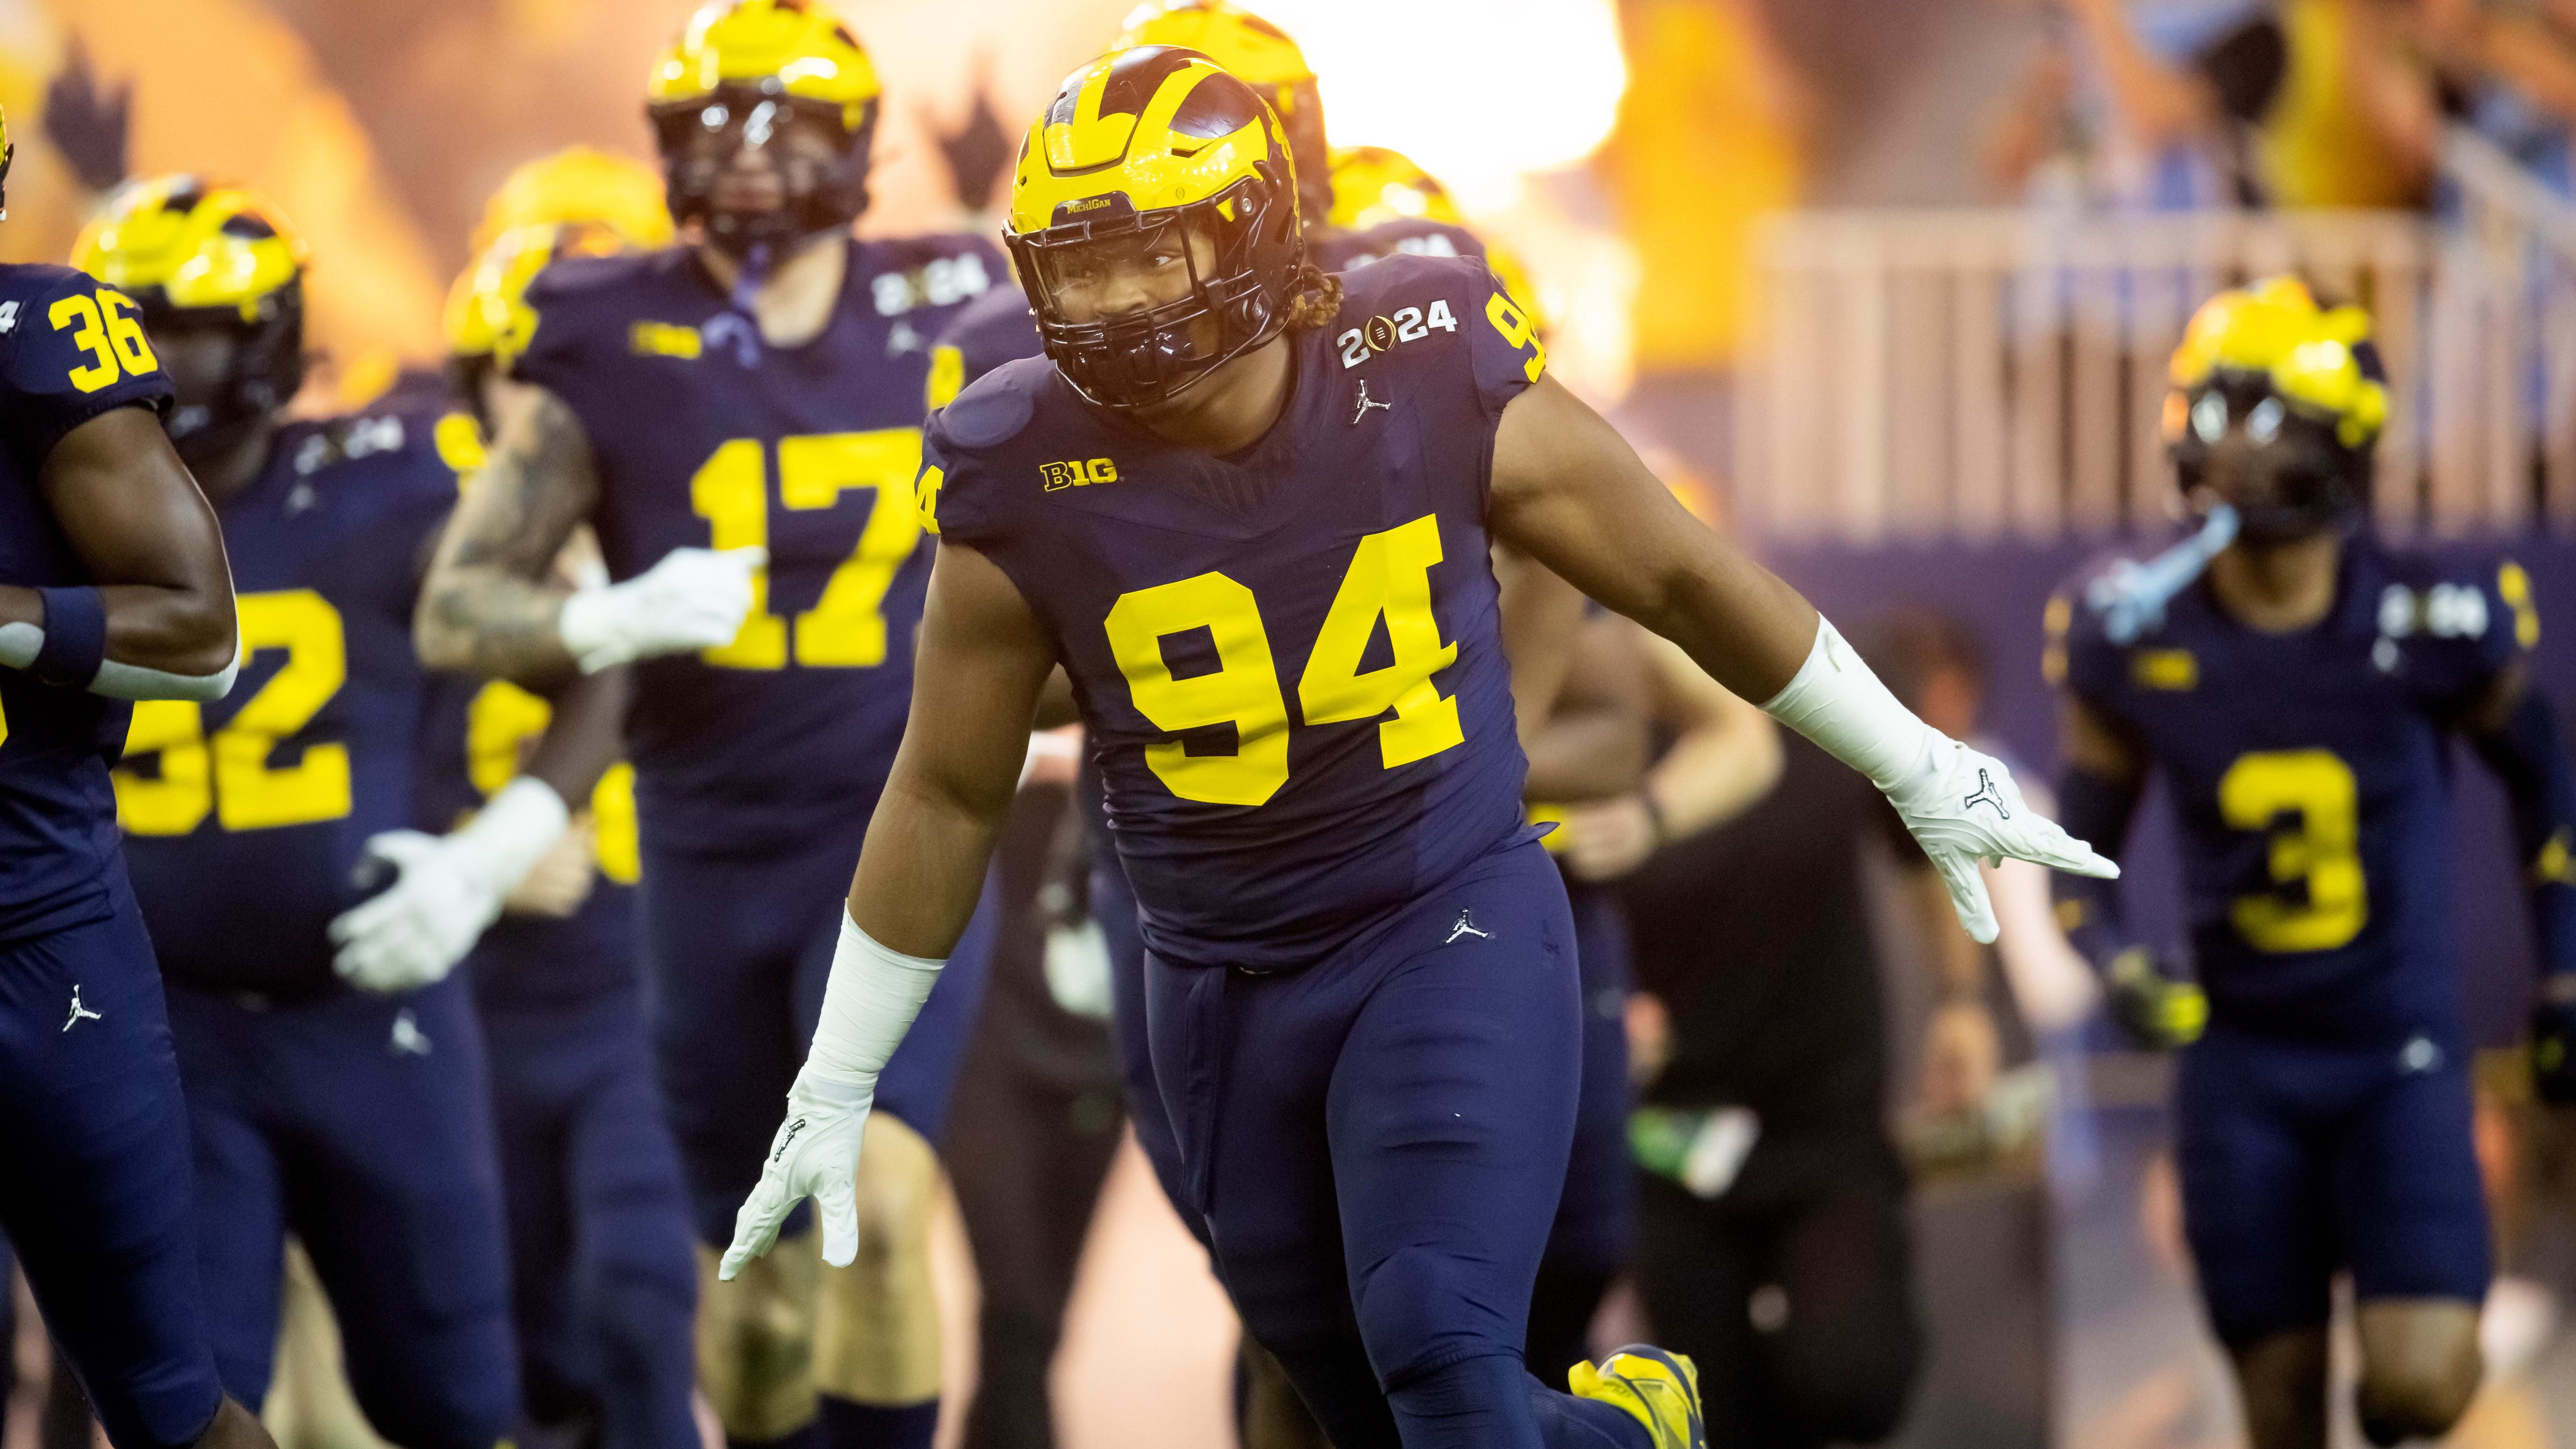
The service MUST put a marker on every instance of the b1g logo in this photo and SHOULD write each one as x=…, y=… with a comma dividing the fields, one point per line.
x=1078, y=475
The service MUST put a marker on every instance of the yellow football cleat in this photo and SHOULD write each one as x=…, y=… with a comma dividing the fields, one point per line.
x=1660, y=1390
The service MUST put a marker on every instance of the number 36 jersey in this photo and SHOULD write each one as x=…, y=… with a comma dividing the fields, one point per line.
x=704, y=437
x=1288, y=660
x=2309, y=774
x=70, y=350
x=245, y=818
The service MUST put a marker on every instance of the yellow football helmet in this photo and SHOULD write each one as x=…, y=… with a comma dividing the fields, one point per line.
x=1373, y=186
x=2292, y=391
x=1260, y=55
x=580, y=184
x=746, y=73
x=1149, y=157
x=202, y=256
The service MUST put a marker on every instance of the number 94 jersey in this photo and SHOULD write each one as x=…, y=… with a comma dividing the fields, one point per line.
x=1288, y=659
x=704, y=437
x=70, y=350
x=2309, y=774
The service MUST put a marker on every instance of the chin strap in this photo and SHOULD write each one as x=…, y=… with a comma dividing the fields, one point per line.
x=2131, y=598
x=738, y=326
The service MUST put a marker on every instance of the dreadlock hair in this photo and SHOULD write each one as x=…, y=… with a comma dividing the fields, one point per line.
x=1316, y=301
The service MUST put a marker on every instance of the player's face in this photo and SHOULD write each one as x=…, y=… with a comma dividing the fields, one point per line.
x=2247, y=448
x=758, y=159
x=1132, y=272
x=200, y=358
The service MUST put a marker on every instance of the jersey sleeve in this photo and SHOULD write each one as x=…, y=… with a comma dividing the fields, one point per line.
x=79, y=351
x=556, y=353
x=1504, y=344
x=2462, y=626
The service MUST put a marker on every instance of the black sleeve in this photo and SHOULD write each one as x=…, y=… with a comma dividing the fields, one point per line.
x=77, y=350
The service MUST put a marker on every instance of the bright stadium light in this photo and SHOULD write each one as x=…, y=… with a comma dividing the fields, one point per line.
x=1480, y=92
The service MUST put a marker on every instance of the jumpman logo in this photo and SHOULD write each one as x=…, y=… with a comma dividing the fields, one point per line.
x=1986, y=794
x=1366, y=402
x=1466, y=927
x=80, y=1013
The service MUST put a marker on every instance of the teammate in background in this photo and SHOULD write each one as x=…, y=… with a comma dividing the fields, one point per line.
x=1352, y=900
x=113, y=588
x=603, y=1283
x=2296, y=683
x=738, y=417
x=335, y=1084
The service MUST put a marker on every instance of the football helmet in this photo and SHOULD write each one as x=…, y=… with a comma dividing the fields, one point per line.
x=2275, y=406
x=488, y=322
x=580, y=184
x=197, y=255
x=752, y=71
x=1260, y=55
x=1151, y=157
x=1373, y=186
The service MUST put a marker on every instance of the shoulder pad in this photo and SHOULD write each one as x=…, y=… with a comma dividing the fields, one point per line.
x=574, y=280
x=1411, y=236
x=1373, y=288
x=22, y=280
x=995, y=407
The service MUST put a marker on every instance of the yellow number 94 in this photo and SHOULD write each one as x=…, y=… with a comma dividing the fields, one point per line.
x=2322, y=850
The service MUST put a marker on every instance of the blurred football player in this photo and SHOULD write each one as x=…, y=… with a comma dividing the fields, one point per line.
x=603, y=1281
x=1362, y=997
x=738, y=417
x=2297, y=683
x=333, y=1069
x=113, y=588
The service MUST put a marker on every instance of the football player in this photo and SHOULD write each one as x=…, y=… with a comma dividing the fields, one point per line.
x=113, y=588
x=2297, y=683
x=1362, y=994
x=602, y=1280
x=335, y=1081
x=738, y=417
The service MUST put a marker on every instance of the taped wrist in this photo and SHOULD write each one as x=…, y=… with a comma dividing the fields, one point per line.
x=2089, y=910
x=514, y=830
x=75, y=637
x=869, y=1002
x=1837, y=702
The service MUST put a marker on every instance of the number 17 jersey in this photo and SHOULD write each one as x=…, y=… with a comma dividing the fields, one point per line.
x=704, y=437
x=1288, y=659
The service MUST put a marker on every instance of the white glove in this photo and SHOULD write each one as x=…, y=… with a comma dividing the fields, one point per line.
x=695, y=598
x=414, y=932
x=1963, y=807
x=868, y=1004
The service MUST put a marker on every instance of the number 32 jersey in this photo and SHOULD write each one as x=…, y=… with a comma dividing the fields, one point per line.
x=70, y=350
x=705, y=438
x=1288, y=660
x=2310, y=776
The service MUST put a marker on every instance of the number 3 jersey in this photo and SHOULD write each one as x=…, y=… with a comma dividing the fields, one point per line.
x=704, y=437
x=245, y=818
x=1288, y=660
x=2309, y=774
x=63, y=367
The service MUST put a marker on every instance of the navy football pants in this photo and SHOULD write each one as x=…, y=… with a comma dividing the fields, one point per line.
x=94, y=1174
x=1376, y=1145
x=603, y=1279
x=1595, y=1231
x=2298, y=1158
x=363, y=1125
x=736, y=951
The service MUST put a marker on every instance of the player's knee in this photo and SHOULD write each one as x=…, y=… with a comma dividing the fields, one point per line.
x=897, y=1194
x=1420, y=1305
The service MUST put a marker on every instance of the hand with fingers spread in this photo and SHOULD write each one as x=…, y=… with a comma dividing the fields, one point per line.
x=869, y=1002
x=1962, y=807
x=694, y=598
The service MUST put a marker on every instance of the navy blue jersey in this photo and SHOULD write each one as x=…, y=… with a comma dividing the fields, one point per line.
x=478, y=736
x=998, y=327
x=1288, y=660
x=2310, y=776
x=704, y=438
x=70, y=349
x=245, y=818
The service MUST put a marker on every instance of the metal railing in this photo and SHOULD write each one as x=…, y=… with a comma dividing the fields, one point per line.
x=1996, y=374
